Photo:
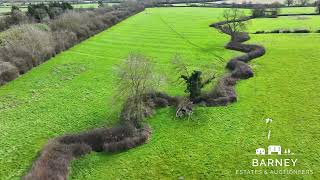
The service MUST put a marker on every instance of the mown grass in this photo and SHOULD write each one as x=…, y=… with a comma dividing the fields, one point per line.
x=297, y=10
x=290, y=23
x=71, y=93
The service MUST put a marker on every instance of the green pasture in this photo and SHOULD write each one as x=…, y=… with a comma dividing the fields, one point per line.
x=297, y=10
x=75, y=91
x=187, y=4
x=92, y=5
x=5, y=9
x=287, y=22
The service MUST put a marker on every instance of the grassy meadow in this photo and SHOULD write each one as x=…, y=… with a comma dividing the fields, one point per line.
x=74, y=92
x=92, y=5
x=287, y=22
x=297, y=10
x=5, y=9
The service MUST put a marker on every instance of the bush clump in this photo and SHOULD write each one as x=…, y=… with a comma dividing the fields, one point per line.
x=286, y=31
x=41, y=12
x=260, y=32
x=275, y=31
x=7, y=72
x=26, y=46
x=301, y=31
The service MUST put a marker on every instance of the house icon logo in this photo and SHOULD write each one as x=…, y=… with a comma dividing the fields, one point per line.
x=260, y=151
x=272, y=149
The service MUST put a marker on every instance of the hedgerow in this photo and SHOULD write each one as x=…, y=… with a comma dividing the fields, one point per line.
x=28, y=45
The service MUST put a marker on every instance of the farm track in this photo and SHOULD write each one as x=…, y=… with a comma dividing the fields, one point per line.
x=55, y=157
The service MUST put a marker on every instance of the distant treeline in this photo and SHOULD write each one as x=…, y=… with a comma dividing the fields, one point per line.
x=184, y=1
x=108, y=1
x=69, y=1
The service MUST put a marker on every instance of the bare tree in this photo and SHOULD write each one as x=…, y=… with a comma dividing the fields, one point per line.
x=303, y=2
x=235, y=19
x=136, y=78
x=318, y=6
x=289, y=2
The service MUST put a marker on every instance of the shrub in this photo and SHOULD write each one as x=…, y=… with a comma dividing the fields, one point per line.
x=275, y=31
x=55, y=12
x=259, y=32
x=223, y=93
x=7, y=72
x=45, y=11
x=18, y=17
x=22, y=64
x=318, y=31
x=40, y=14
x=136, y=79
x=3, y=23
x=26, y=42
x=70, y=21
x=301, y=31
x=63, y=40
x=285, y=31
x=242, y=71
x=73, y=22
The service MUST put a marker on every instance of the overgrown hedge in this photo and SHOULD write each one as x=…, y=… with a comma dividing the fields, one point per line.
x=277, y=31
x=26, y=46
x=54, y=160
x=224, y=92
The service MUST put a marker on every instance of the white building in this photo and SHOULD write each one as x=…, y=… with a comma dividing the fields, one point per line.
x=274, y=149
x=260, y=151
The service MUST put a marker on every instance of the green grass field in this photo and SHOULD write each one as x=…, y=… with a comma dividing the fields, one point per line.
x=71, y=93
x=291, y=22
x=297, y=10
x=92, y=5
x=5, y=9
